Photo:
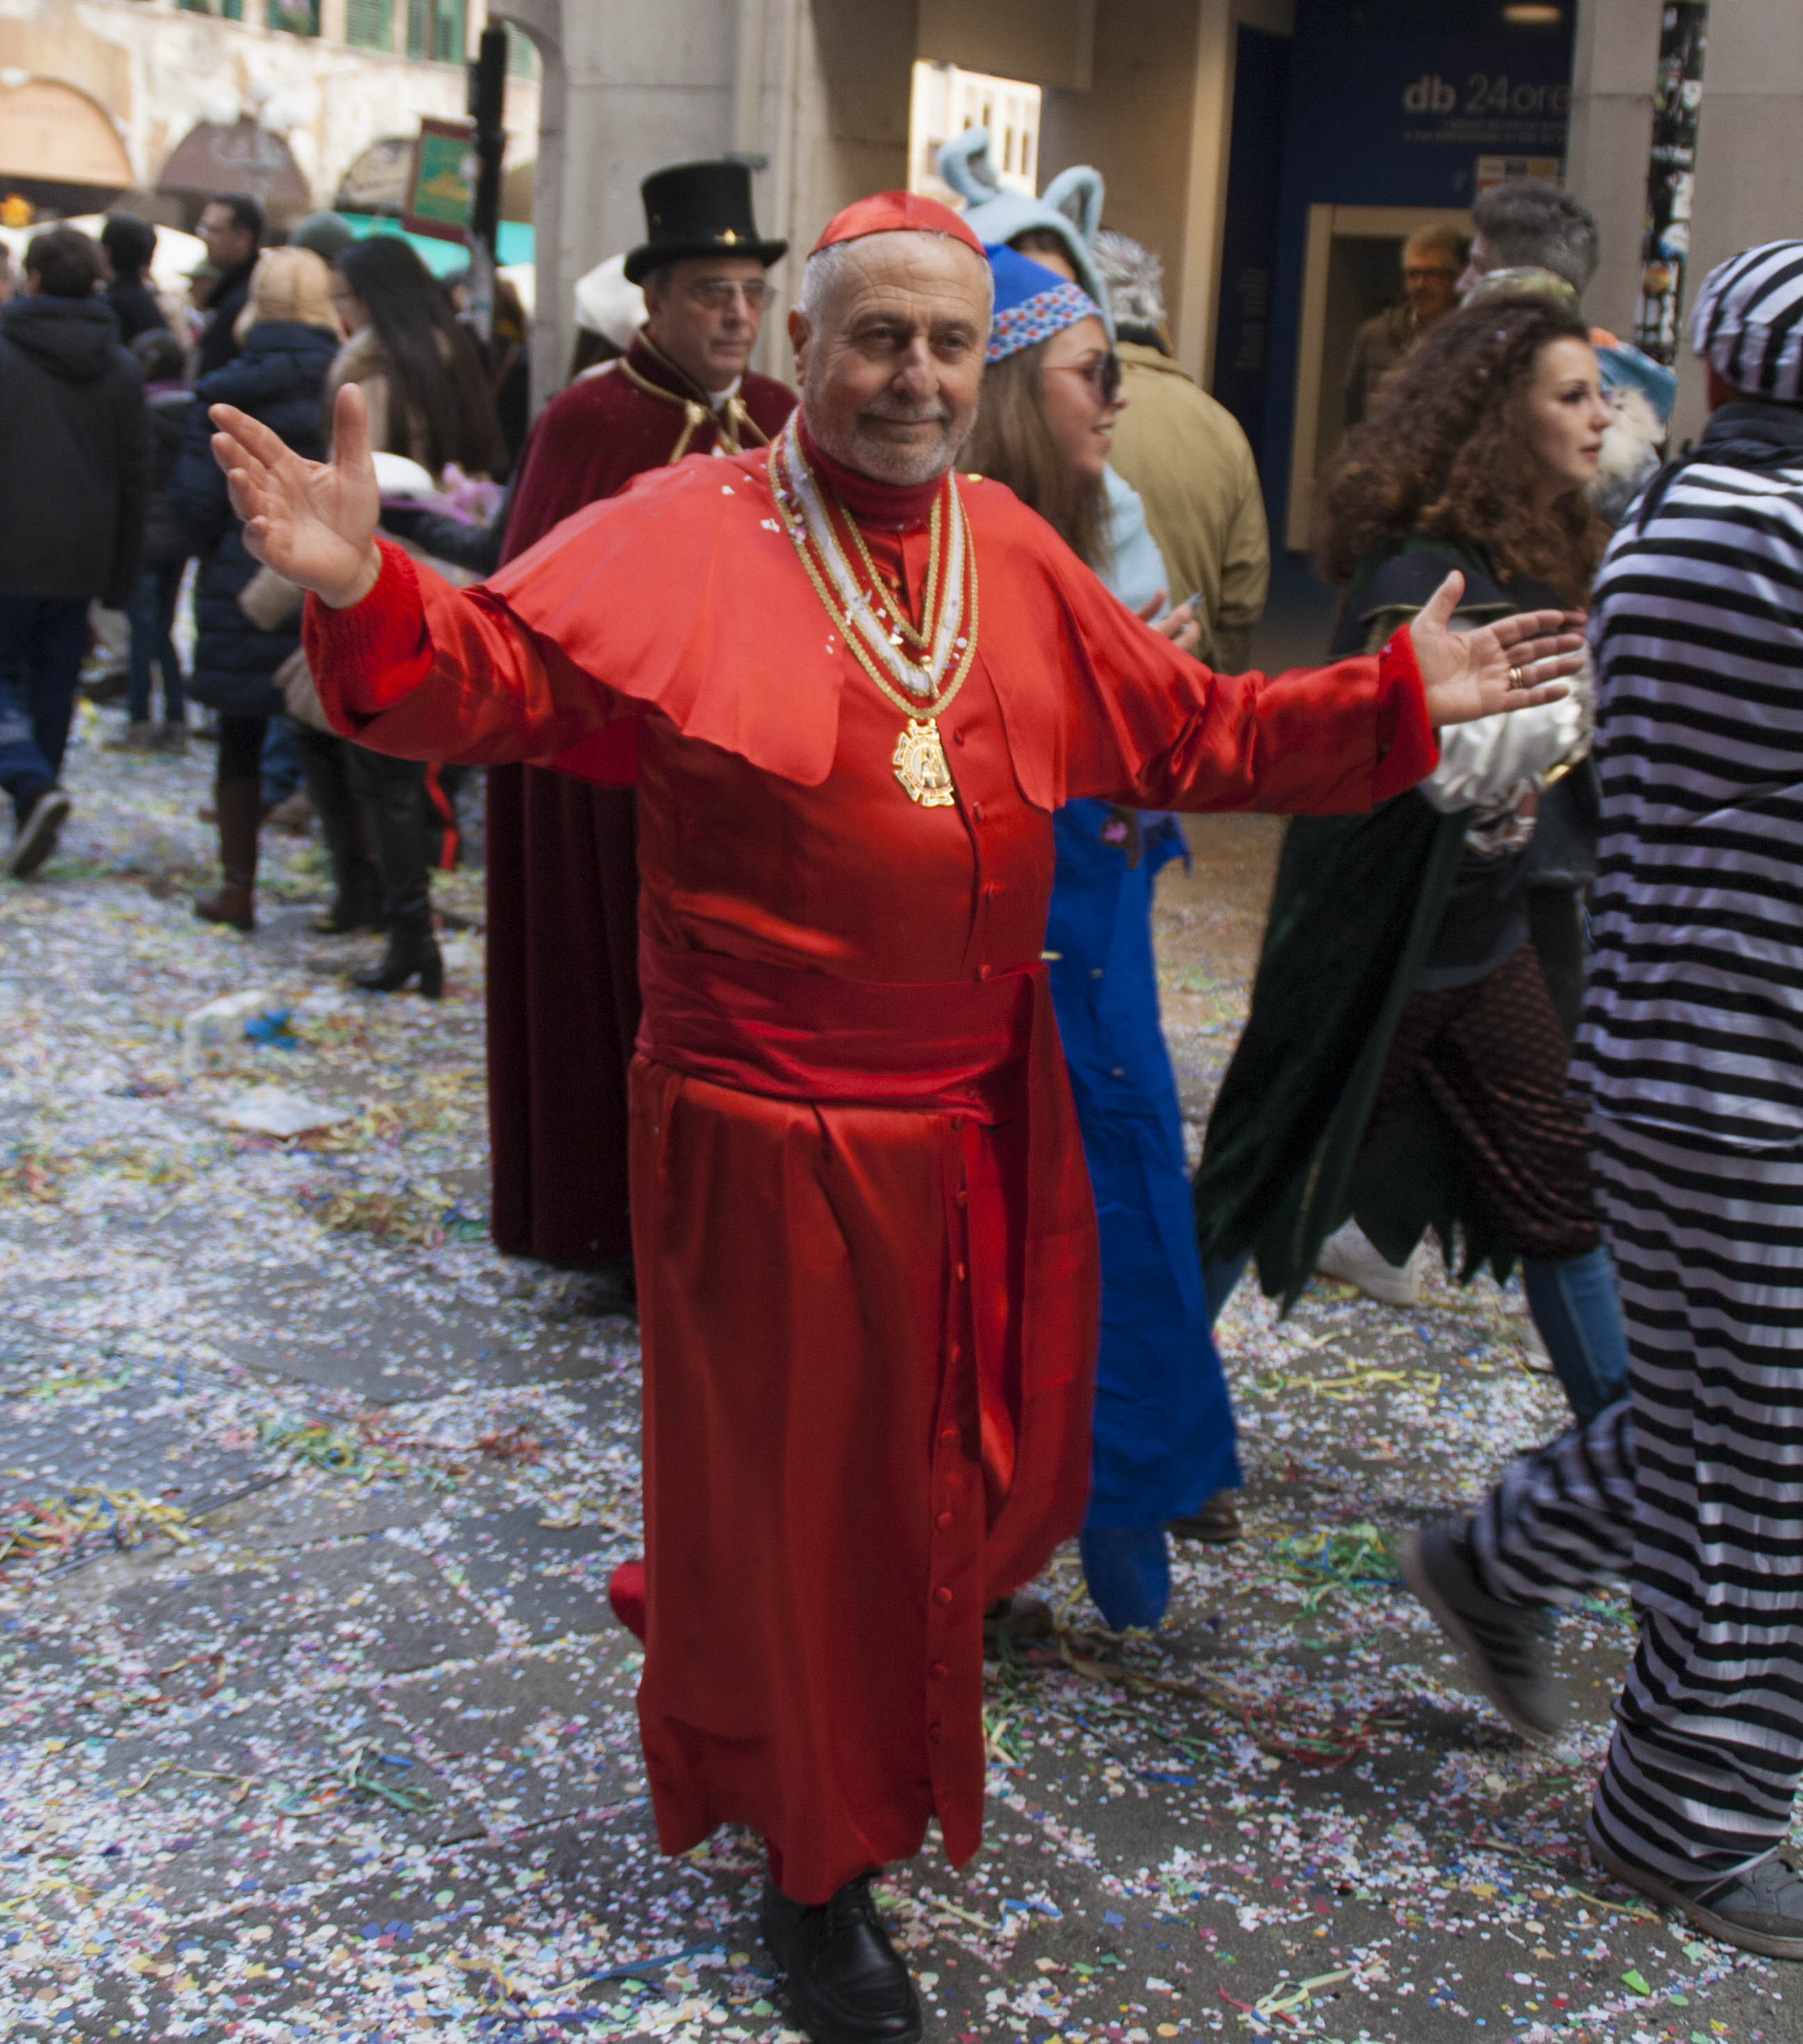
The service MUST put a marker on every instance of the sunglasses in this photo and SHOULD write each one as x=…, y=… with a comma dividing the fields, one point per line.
x=1103, y=375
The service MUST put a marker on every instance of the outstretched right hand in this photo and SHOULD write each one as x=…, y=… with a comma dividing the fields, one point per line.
x=312, y=522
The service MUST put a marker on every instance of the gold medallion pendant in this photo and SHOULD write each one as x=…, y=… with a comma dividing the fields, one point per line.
x=920, y=766
x=918, y=668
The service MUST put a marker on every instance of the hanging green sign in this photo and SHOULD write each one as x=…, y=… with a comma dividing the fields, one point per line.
x=442, y=185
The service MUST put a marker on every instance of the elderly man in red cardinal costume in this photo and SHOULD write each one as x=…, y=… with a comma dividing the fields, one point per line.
x=854, y=685
x=562, y=868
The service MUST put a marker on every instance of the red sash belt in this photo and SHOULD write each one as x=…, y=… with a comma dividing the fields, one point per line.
x=957, y=1047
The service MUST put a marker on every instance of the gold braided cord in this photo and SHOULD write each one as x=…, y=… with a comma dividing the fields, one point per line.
x=742, y=419
x=730, y=421
x=922, y=640
x=917, y=712
x=916, y=647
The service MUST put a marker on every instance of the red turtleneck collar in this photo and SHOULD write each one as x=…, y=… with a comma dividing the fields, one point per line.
x=899, y=506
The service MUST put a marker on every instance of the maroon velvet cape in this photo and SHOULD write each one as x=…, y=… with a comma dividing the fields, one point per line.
x=563, y=869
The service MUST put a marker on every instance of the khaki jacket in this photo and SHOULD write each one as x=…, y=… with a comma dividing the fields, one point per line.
x=1189, y=462
x=1379, y=348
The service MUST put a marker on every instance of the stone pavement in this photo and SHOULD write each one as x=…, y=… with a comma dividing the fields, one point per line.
x=313, y=1721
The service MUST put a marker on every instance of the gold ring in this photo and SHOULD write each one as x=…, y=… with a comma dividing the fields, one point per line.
x=1516, y=679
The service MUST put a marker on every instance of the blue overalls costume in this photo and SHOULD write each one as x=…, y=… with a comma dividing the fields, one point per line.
x=1163, y=1438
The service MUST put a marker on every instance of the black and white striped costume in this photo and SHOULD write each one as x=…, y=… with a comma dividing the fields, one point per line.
x=1691, y=1055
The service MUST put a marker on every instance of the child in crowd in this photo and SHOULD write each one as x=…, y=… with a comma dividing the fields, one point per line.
x=152, y=610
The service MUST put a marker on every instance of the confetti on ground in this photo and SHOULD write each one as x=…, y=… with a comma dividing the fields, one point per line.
x=329, y=1735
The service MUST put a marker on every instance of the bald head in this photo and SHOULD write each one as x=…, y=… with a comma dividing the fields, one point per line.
x=888, y=334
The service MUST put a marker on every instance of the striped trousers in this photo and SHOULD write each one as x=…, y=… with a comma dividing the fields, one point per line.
x=1692, y=1487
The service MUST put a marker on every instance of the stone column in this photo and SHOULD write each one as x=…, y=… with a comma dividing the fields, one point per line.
x=1613, y=70
x=1749, y=167
x=629, y=88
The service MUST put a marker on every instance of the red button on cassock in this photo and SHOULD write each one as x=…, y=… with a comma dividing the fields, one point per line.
x=942, y=1595
x=939, y=1671
x=946, y=1520
x=949, y=1438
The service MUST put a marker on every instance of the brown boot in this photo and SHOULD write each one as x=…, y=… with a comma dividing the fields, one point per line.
x=240, y=803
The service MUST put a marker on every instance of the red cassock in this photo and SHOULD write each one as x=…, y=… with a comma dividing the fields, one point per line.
x=865, y=1241
x=563, y=872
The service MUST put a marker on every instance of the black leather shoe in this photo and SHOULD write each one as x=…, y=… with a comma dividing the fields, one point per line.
x=846, y=1984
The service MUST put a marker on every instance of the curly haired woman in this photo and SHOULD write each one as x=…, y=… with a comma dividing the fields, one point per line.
x=1404, y=1064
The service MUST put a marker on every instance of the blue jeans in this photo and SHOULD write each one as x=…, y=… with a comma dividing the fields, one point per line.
x=42, y=638
x=281, y=767
x=1578, y=1313
x=151, y=612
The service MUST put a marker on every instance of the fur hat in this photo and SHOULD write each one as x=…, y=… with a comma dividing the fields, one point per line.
x=1135, y=278
x=289, y=284
x=1069, y=207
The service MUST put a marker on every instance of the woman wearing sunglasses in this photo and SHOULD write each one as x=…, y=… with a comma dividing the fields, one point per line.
x=1163, y=1433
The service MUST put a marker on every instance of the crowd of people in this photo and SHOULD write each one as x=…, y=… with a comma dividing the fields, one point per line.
x=107, y=386
x=834, y=739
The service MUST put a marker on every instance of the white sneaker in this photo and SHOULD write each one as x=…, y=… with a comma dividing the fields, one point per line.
x=36, y=837
x=1534, y=1355
x=1348, y=1255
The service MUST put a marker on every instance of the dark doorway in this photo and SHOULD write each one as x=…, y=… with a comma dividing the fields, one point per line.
x=1248, y=248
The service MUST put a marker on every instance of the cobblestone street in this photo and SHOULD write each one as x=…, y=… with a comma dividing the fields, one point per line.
x=316, y=1725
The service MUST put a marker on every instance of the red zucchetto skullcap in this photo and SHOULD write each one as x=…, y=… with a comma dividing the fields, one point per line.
x=894, y=213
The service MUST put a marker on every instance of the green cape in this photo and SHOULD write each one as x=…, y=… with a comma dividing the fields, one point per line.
x=1355, y=906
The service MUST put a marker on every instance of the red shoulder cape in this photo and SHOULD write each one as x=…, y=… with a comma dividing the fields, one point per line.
x=709, y=618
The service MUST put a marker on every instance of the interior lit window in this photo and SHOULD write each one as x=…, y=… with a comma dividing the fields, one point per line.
x=945, y=101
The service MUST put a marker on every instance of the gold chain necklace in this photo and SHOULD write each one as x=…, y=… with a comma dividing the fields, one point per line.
x=925, y=693
x=919, y=639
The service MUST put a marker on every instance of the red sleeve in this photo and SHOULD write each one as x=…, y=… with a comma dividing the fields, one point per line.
x=425, y=671
x=1408, y=750
x=1151, y=727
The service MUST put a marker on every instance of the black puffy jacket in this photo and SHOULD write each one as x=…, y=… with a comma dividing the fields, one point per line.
x=277, y=379
x=72, y=452
x=168, y=408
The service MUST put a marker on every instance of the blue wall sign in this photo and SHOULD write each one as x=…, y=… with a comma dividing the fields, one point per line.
x=1402, y=103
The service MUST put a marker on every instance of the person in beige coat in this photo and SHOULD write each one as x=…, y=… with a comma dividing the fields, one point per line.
x=1189, y=460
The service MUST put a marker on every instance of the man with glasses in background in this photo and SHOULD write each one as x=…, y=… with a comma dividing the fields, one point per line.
x=562, y=866
x=1432, y=258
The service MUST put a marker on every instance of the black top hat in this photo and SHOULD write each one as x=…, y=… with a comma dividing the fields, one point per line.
x=699, y=210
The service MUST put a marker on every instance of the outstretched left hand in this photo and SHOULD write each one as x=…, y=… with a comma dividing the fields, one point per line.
x=1180, y=626
x=1468, y=675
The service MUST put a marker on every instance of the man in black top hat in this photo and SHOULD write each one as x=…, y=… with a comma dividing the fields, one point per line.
x=701, y=268
x=563, y=874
